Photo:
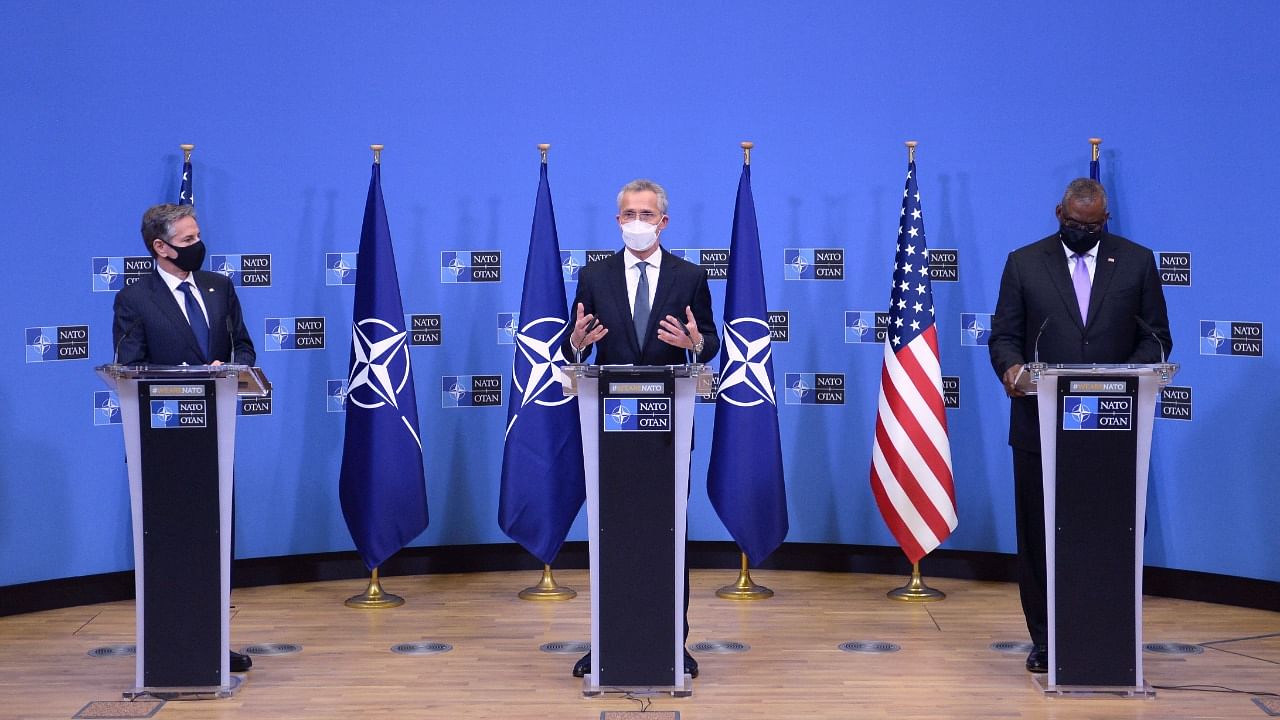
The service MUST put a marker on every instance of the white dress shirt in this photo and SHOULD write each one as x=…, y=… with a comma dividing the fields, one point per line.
x=633, y=275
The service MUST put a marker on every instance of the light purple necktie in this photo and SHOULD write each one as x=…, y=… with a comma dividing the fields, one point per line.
x=1080, y=278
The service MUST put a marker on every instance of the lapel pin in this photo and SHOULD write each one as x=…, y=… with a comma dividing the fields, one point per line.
x=1111, y=259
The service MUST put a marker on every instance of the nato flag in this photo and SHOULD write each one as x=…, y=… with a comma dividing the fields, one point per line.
x=383, y=493
x=543, y=482
x=744, y=479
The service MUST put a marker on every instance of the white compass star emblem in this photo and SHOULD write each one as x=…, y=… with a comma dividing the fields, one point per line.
x=620, y=415
x=1081, y=413
x=746, y=342
x=538, y=360
x=372, y=366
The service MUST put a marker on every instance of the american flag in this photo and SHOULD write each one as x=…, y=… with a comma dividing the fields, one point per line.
x=911, y=458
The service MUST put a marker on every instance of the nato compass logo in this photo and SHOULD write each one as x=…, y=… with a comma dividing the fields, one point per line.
x=424, y=329
x=465, y=266
x=1230, y=337
x=60, y=342
x=255, y=405
x=166, y=414
x=951, y=392
x=814, y=388
x=335, y=395
x=944, y=265
x=245, y=270
x=713, y=395
x=470, y=391
x=1175, y=268
x=1174, y=403
x=379, y=367
x=117, y=273
x=537, y=369
x=744, y=380
x=779, y=325
x=294, y=333
x=508, y=327
x=637, y=414
x=106, y=407
x=571, y=261
x=715, y=262
x=813, y=263
x=1097, y=412
x=865, y=327
x=975, y=328
x=339, y=268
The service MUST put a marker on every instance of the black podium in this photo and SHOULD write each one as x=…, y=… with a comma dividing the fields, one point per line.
x=179, y=436
x=637, y=429
x=1095, y=441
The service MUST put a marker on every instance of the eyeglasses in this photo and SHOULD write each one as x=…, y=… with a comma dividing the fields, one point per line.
x=1087, y=227
x=649, y=217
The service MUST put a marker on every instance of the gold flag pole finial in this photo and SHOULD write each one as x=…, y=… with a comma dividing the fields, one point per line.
x=745, y=588
x=543, y=148
x=377, y=160
x=746, y=151
x=1095, y=142
x=186, y=151
x=547, y=588
x=911, y=150
x=915, y=590
x=373, y=598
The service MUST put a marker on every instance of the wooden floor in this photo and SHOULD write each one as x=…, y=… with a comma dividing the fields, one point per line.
x=794, y=669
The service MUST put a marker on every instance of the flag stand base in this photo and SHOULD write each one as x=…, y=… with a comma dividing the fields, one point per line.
x=744, y=588
x=915, y=590
x=373, y=598
x=547, y=589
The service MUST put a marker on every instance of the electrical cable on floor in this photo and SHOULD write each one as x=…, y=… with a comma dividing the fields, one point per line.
x=1216, y=689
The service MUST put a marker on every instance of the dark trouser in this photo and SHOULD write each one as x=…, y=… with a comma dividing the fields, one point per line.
x=1028, y=499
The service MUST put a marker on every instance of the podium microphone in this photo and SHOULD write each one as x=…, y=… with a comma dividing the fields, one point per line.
x=115, y=358
x=1036, y=349
x=231, y=336
x=1152, y=332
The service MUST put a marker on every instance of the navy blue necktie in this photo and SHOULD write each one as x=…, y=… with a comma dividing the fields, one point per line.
x=195, y=316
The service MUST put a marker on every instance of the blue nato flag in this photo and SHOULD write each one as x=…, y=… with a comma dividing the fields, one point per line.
x=543, y=482
x=745, y=479
x=382, y=486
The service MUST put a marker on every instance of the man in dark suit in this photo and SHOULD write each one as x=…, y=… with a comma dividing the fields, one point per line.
x=1076, y=294
x=179, y=314
x=643, y=306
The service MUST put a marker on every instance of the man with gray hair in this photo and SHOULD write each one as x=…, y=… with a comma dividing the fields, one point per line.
x=1073, y=297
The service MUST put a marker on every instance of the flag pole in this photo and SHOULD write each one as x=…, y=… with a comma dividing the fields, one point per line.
x=547, y=588
x=1095, y=142
x=373, y=598
x=745, y=588
x=186, y=151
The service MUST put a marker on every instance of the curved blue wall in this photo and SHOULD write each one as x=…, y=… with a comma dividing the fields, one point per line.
x=282, y=100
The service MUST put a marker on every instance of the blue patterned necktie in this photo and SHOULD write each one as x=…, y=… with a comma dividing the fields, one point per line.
x=640, y=313
x=195, y=316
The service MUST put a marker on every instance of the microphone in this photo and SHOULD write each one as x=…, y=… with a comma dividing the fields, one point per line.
x=115, y=358
x=231, y=335
x=1036, y=349
x=1152, y=332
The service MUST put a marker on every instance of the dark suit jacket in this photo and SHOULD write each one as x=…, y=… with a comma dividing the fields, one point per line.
x=149, y=327
x=1036, y=286
x=602, y=290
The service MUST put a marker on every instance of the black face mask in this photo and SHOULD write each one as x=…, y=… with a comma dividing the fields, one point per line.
x=190, y=257
x=1078, y=240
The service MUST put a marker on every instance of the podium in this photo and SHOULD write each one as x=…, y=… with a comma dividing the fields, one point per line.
x=1095, y=442
x=637, y=431
x=179, y=437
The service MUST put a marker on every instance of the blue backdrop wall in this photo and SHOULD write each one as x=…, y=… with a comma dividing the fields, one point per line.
x=282, y=100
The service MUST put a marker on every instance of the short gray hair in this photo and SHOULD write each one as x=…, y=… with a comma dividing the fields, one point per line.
x=640, y=185
x=1086, y=192
x=157, y=222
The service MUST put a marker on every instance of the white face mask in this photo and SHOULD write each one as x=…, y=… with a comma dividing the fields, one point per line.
x=639, y=235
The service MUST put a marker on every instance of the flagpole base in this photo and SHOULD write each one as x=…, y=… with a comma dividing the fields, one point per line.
x=547, y=589
x=745, y=588
x=915, y=590
x=373, y=598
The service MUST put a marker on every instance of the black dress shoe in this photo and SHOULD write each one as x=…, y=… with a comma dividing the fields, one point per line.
x=1038, y=659
x=690, y=665
x=583, y=666
x=240, y=662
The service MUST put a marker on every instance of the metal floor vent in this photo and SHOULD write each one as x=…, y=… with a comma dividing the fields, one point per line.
x=720, y=647
x=1173, y=648
x=1013, y=647
x=113, y=651
x=424, y=647
x=272, y=649
x=869, y=646
x=566, y=647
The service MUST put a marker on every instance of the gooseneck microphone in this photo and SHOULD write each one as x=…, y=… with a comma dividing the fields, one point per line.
x=115, y=358
x=1036, y=349
x=1152, y=332
x=231, y=336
